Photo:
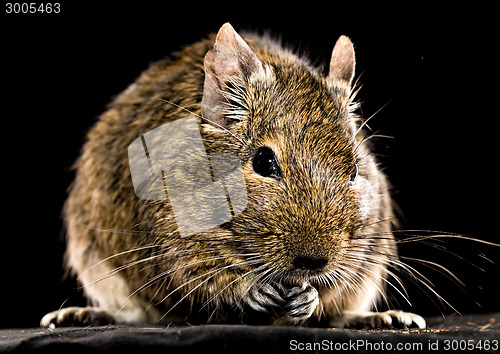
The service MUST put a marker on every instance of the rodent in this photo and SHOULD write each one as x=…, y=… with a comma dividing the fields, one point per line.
x=313, y=243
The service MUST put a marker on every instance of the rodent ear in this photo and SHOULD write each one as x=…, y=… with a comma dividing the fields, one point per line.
x=230, y=63
x=343, y=61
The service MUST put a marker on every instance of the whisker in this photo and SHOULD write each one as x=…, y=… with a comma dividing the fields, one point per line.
x=163, y=274
x=368, y=254
x=368, y=138
x=365, y=121
x=212, y=141
x=439, y=234
x=204, y=118
x=346, y=280
x=118, y=269
x=259, y=278
x=437, y=265
x=255, y=270
x=423, y=280
x=372, y=280
x=214, y=272
x=114, y=271
x=380, y=263
x=375, y=261
x=141, y=248
x=179, y=106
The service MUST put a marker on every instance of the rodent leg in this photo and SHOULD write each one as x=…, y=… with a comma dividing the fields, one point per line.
x=386, y=319
x=77, y=316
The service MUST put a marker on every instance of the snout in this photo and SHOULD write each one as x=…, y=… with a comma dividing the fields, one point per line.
x=308, y=263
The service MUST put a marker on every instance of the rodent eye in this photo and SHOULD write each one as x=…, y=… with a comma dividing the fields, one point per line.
x=265, y=164
x=354, y=175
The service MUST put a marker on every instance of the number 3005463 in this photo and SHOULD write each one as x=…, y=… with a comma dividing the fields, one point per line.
x=32, y=7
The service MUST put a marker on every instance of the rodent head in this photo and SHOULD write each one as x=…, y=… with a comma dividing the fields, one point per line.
x=312, y=185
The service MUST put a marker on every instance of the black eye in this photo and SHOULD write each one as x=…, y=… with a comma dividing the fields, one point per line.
x=354, y=175
x=265, y=164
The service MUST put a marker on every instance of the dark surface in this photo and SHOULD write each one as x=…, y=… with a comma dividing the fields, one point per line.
x=477, y=333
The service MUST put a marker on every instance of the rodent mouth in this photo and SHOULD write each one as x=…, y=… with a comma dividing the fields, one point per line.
x=298, y=277
x=289, y=283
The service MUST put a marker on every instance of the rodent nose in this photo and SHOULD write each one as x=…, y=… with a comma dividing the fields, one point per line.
x=309, y=263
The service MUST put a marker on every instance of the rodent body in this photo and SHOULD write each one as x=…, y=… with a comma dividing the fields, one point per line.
x=312, y=245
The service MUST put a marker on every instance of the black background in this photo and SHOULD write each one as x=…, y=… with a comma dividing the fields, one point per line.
x=437, y=67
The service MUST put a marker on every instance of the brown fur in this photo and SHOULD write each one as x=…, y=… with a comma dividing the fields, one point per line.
x=127, y=252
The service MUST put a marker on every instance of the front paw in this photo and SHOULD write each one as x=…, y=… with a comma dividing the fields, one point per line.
x=385, y=320
x=301, y=301
x=77, y=316
x=264, y=297
x=291, y=305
